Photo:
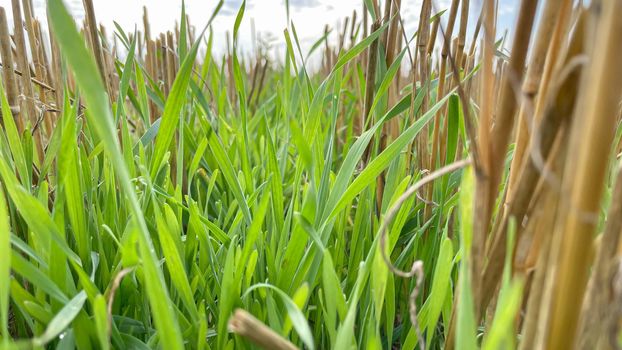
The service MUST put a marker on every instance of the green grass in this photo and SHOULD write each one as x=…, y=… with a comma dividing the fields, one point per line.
x=274, y=217
x=221, y=204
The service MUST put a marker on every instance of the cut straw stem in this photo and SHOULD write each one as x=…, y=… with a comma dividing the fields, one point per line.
x=591, y=143
x=483, y=205
x=531, y=85
x=22, y=62
x=8, y=74
x=596, y=304
x=246, y=325
x=510, y=89
x=91, y=22
x=370, y=76
x=555, y=118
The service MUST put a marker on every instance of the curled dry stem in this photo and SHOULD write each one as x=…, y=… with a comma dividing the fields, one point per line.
x=417, y=267
x=113, y=289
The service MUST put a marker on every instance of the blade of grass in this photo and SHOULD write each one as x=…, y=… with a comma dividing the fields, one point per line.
x=5, y=270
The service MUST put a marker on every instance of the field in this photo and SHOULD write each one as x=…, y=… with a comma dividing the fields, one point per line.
x=451, y=189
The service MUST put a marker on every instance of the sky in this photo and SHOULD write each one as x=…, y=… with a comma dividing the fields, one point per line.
x=268, y=16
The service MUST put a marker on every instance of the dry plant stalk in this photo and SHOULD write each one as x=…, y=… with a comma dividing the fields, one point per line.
x=170, y=60
x=152, y=70
x=353, y=27
x=391, y=129
x=429, y=47
x=596, y=305
x=506, y=108
x=43, y=55
x=254, y=74
x=45, y=76
x=246, y=325
x=534, y=248
x=393, y=34
x=37, y=59
x=445, y=52
x=372, y=59
x=94, y=38
x=376, y=6
x=55, y=69
x=483, y=205
x=10, y=83
x=260, y=86
x=436, y=132
x=34, y=80
x=146, y=26
x=537, y=292
x=32, y=40
x=560, y=106
x=591, y=142
x=164, y=71
x=342, y=36
x=531, y=85
x=386, y=17
x=478, y=27
x=421, y=60
x=464, y=19
x=28, y=95
x=365, y=20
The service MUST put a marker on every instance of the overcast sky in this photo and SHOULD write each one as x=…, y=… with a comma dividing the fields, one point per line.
x=269, y=16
